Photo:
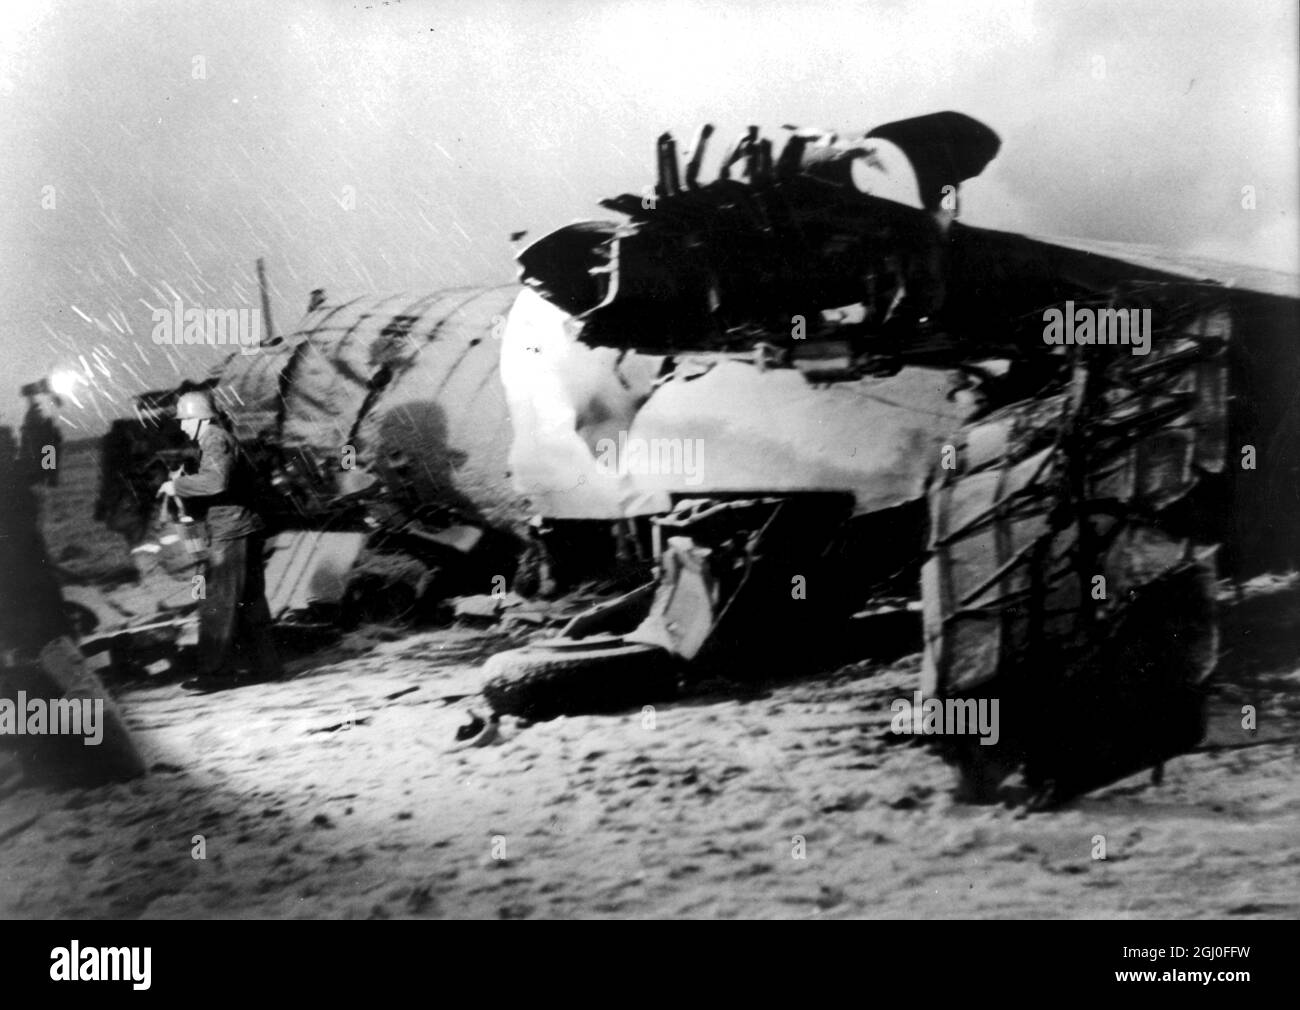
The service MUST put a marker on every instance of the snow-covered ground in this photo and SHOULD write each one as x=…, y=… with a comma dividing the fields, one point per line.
x=337, y=794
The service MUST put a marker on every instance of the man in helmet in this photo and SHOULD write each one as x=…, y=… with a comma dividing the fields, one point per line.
x=235, y=643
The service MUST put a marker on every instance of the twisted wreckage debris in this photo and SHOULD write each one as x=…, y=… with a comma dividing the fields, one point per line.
x=862, y=386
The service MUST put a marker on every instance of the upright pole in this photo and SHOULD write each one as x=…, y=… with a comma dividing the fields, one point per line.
x=268, y=330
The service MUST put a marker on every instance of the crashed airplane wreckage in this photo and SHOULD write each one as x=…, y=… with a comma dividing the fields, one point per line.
x=810, y=388
x=869, y=386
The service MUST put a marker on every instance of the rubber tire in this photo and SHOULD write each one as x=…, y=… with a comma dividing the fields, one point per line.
x=540, y=684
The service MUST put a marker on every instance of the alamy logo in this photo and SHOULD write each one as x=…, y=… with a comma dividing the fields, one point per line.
x=218, y=327
x=102, y=964
x=62, y=717
x=951, y=716
x=641, y=456
x=1125, y=327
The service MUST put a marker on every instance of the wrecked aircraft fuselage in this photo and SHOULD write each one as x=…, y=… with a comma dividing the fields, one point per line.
x=606, y=434
x=742, y=344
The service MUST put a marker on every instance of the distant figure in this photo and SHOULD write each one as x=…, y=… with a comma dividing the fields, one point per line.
x=316, y=300
x=40, y=439
x=31, y=604
x=39, y=657
x=235, y=645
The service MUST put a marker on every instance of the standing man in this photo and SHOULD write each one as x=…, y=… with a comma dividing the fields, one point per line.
x=235, y=645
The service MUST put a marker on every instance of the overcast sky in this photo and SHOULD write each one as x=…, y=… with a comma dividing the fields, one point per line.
x=185, y=139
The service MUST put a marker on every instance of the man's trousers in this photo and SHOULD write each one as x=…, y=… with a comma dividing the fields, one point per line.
x=234, y=620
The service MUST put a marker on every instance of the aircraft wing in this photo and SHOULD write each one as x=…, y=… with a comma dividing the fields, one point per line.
x=1095, y=263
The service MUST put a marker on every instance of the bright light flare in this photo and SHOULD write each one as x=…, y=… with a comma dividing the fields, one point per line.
x=64, y=383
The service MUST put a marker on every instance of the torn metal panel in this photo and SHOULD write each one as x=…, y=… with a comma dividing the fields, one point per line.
x=687, y=601
x=748, y=579
x=309, y=567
